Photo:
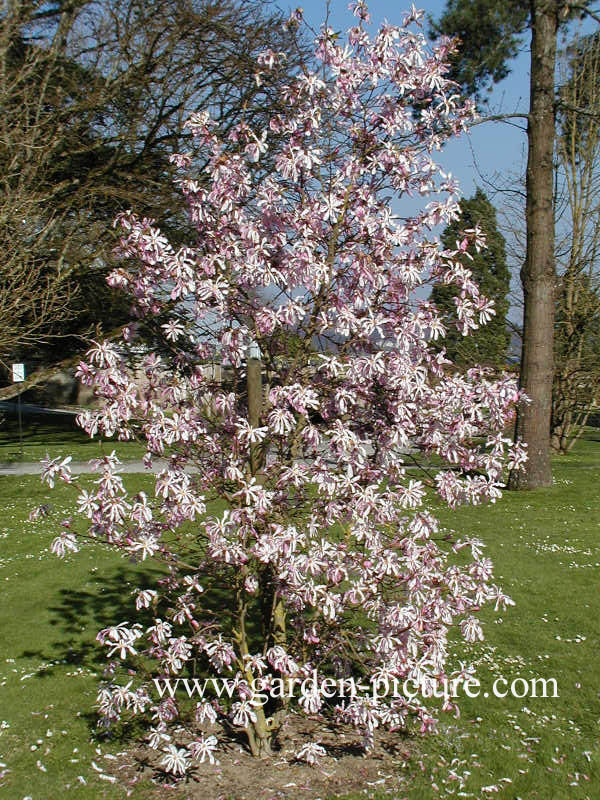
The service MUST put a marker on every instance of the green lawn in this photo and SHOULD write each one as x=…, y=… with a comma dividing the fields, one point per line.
x=42, y=435
x=49, y=665
x=546, y=547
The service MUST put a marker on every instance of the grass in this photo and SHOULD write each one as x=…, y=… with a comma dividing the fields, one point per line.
x=49, y=664
x=546, y=548
x=57, y=438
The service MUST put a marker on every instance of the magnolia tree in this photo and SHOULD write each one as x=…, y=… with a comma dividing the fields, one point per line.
x=297, y=547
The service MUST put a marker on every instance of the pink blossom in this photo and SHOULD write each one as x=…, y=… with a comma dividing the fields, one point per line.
x=311, y=752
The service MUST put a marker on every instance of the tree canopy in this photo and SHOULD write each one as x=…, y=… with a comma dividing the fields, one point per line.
x=489, y=33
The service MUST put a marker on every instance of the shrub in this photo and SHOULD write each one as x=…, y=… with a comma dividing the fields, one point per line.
x=322, y=559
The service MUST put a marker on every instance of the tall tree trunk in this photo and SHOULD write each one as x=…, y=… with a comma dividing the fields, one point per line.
x=538, y=274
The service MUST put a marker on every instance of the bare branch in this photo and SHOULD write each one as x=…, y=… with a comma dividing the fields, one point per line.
x=501, y=118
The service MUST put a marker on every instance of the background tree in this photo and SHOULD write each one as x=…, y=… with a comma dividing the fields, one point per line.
x=93, y=97
x=577, y=228
x=576, y=388
x=491, y=31
x=489, y=344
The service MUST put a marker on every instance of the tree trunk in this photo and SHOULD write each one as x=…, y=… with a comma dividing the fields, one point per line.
x=538, y=273
x=255, y=399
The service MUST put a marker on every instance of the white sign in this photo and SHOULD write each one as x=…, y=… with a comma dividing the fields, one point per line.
x=18, y=373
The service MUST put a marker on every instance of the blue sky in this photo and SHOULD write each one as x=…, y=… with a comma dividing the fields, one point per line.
x=492, y=152
x=490, y=148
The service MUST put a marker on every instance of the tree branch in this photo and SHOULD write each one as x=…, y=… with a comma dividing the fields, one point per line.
x=46, y=373
x=500, y=118
x=578, y=110
x=584, y=10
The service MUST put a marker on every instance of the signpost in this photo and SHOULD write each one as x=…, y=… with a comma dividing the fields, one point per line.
x=255, y=400
x=18, y=376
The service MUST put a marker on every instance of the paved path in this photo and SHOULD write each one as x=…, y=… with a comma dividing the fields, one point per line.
x=30, y=410
x=77, y=467
x=82, y=467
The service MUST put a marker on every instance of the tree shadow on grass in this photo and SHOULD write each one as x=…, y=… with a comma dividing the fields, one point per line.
x=78, y=615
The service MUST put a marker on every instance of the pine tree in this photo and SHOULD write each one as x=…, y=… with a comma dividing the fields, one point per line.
x=488, y=345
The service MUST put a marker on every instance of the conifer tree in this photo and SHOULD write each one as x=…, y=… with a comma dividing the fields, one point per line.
x=487, y=345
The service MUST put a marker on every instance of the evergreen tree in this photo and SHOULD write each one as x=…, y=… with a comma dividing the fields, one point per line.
x=488, y=345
